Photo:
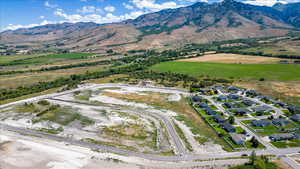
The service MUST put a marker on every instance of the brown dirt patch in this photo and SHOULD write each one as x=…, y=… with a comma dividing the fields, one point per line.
x=233, y=58
x=288, y=91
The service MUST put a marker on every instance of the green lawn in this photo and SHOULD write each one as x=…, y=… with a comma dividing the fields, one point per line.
x=43, y=59
x=286, y=144
x=282, y=72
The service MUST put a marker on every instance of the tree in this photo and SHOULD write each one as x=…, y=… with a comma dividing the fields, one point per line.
x=255, y=142
x=231, y=119
x=252, y=158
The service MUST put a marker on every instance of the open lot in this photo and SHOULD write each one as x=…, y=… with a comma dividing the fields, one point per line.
x=133, y=118
x=26, y=79
x=233, y=58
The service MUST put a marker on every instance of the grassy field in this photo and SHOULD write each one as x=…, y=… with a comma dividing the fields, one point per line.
x=42, y=59
x=281, y=72
x=12, y=58
x=25, y=79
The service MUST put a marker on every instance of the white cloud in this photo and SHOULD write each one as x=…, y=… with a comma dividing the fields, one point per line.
x=14, y=27
x=152, y=6
x=83, y=0
x=42, y=17
x=264, y=2
x=108, y=18
x=110, y=8
x=193, y=1
x=47, y=4
x=89, y=9
x=127, y=6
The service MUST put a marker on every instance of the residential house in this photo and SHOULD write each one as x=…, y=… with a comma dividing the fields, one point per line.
x=260, y=123
x=202, y=105
x=249, y=102
x=210, y=111
x=234, y=96
x=262, y=109
x=297, y=135
x=228, y=127
x=222, y=98
x=219, y=119
x=241, y=111
x=196, y=98
x=280, y=122
x=281, y=137
x=294, y=109
x=295, y=117
x=238, y=138
x=228, y=105
x=252, y=93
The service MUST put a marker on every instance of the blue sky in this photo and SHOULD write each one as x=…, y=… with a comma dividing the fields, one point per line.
x=28, y=13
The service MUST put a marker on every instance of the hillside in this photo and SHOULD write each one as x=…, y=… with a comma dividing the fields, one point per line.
x=198, y=23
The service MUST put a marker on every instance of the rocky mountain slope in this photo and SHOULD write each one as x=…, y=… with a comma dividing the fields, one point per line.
x=198, y=23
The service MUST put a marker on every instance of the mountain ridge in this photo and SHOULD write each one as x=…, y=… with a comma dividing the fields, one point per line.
x=198, y=23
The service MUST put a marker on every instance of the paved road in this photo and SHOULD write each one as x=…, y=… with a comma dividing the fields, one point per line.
x=269, y=147
x=182, y=157
x=179, y=145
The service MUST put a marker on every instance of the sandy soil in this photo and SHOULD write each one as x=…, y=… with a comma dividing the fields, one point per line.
x=289, y=89
x=23, y=152
x=233, y=58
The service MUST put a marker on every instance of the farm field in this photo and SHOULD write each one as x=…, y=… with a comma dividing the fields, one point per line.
x=26, y=79
x=280, y=72
x=42, y=59
x=233, y=58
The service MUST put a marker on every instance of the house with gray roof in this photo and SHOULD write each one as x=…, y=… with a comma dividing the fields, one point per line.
x=219, y=119
x=234, y=96
x=280, y=122
x=297, y=135
x=260, y=123
x=228, y=127
x=228, y=105
x=196, y=98
x=281, y=137
x=294, y=109
x=240, y=111
x=222, y=98
x=210, y=111
x=202, y=105
x=252, y=93
x=248, y=102
x=262, y=109
x=295, y=117
x=238, y=138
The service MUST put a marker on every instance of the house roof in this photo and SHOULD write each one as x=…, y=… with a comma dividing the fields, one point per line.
x=228, y=126
x=237, y=138
x=219, y=118
x=282, y=136
x=280, y=121
x=196, y=98
x=295, y=117
x=261, y=122
x=202, y=105
x=263, y=108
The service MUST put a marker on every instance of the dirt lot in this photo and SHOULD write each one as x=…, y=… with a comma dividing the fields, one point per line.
x=288, y=91
x=233, y=58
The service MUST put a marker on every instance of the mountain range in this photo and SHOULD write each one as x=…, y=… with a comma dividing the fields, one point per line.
x=198, y=23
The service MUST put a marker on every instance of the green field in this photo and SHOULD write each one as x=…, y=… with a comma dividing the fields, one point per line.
x=41, y=59
x=281, y=72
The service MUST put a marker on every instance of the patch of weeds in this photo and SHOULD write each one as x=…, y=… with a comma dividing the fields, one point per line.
x=183, y=137
x=52, y=130
x=90, y=140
